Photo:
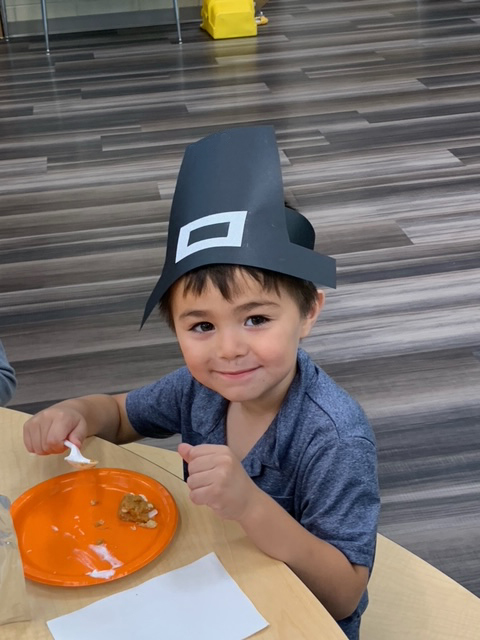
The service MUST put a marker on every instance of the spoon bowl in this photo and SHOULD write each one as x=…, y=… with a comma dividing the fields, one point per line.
x=76, y=459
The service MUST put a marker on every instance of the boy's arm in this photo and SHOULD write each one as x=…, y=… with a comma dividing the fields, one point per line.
x=154, y=409
x=217, y=479
x=106, y=417
x=76, y=419
x=324, y=569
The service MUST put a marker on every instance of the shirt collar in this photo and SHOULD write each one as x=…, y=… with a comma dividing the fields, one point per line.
x=275, y=443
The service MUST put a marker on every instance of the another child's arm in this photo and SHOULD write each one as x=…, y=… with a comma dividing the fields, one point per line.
x=218, y=480
x=8, y=381
x=99, y=415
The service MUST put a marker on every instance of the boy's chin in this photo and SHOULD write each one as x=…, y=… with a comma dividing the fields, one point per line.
x=239, y=397
x=246, y=395
x=236, y=395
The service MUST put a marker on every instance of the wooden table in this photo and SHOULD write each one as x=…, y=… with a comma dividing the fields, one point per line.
x=408, y=597
x=291, y=609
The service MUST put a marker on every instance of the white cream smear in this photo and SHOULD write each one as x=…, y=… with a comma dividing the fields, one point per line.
x=105, y=574
x=104, y=554
x=84, y=558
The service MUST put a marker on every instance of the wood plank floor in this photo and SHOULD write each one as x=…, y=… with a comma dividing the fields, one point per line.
x=377, y=109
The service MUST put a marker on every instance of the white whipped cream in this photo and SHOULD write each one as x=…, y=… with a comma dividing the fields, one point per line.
x=104, y=554
x=105, y=574
x=84, y=558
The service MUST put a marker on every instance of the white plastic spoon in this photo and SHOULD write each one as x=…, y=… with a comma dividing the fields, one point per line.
x=76, y=459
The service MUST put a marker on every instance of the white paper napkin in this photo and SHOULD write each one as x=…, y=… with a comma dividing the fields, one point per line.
x=199, y=601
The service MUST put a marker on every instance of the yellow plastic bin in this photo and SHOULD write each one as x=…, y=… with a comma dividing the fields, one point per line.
x=229, y=18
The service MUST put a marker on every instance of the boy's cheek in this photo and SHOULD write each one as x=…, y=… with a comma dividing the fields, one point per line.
x=191, y=350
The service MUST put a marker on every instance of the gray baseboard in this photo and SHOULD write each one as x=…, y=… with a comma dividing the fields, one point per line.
x=104, y=21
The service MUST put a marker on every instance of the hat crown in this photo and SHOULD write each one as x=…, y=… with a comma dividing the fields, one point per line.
x=228, y=208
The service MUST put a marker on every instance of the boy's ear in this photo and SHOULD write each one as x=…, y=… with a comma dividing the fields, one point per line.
x=320, y=299
x=313, y=314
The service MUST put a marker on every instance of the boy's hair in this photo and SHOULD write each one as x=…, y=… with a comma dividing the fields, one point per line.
x=224, y=278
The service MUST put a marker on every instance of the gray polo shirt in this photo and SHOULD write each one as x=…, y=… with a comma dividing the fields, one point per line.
x=317, y=459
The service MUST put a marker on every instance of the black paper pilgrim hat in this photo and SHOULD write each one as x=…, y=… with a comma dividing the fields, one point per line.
x=228, y=208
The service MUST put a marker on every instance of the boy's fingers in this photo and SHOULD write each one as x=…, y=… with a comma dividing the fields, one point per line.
x=200, y=496
x=46, y=432
x=27, y=439
x=199, y=480
x=207, y=450
x=36, y=440
x=28, y=428
x=185, y=450
x=199, y=465
x=52, y=442
x=190, y=453
x=75, y=438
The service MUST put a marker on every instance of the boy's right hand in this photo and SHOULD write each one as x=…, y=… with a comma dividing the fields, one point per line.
x=46, y=431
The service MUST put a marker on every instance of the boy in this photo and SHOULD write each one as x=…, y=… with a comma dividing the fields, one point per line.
x=8, y=382
x=269, y=439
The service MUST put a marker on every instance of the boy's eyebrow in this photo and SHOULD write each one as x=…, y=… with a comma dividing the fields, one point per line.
x=245, y=308
x=249, y=306
x=194, y=313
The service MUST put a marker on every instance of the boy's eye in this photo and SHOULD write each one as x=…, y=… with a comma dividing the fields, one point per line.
x=202, y=327
x=256, y=321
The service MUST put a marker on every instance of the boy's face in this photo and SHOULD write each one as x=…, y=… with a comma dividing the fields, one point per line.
x=245, y=349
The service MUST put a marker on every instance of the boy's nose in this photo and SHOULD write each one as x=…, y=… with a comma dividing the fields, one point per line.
x=231, y=345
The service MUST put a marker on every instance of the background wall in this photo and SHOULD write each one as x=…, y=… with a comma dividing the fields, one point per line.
x=24, y=16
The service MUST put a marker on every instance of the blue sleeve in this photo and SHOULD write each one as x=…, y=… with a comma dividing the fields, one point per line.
x=155, y=410
x=340, y=500
x=8, y=382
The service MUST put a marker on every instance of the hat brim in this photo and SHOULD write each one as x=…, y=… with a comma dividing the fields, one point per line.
x=292, y=260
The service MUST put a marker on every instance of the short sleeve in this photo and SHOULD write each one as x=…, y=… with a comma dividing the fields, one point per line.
x=339, y=496
x=155, y=410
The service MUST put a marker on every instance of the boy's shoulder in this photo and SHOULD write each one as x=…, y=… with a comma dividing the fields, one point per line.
x=327, y=406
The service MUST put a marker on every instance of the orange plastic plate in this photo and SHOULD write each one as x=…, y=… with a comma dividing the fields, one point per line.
x=57, y=521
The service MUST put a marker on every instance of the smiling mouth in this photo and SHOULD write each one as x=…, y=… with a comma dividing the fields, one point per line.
x=236, y=374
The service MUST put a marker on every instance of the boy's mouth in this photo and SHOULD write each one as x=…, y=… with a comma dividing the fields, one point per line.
x=236, y=375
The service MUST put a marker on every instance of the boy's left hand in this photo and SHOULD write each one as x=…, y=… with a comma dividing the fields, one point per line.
x=218, y=480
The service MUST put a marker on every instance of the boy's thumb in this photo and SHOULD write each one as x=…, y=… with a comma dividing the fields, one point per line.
x=76, y=437
x=185, y=450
